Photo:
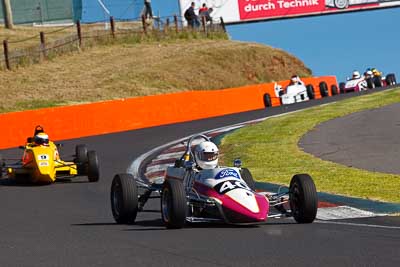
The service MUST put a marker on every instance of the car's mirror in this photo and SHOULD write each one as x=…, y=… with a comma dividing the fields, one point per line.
x=348, y=79
x=21, y=147
x=29, y=140
x=237, y=163
x=59, y=145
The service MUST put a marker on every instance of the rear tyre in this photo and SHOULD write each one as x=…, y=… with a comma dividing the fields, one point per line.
x=303, y=198
x=173, y=204
x=248, y=178
x=323, y=89
x=334, y=89
x=341, y=87
x=310, y=91
x=93, y=167
x=81, y=159
x=267, y=100
x=391, y=79
x=124, y=198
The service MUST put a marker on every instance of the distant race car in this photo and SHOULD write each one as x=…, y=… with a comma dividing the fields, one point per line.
x=354, y=85
x=294, y=93
x=41, y=162
x=378, y=80
x=367, y=81
x=190, y=193
x=297, y=92
x=342, y=4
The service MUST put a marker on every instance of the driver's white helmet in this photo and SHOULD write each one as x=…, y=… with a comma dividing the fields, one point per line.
x=206, y=155
x=356, y=75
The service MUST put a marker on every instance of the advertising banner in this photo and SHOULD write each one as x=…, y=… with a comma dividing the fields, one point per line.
x=240, y=11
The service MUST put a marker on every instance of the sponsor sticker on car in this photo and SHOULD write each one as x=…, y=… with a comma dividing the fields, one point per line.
x=225, y=173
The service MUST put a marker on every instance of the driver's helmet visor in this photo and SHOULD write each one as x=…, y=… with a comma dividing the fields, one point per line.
x=41, y=140
x=208, y=156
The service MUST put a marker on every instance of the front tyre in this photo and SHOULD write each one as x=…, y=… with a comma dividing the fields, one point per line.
x=303, y=198
x=124, y=198
x=81, y=159
x=173, y=204
x=93, y=167
x=310, y=91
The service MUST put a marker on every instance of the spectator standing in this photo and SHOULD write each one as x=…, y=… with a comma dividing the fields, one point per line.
x=203, y=9
x=148, y=13
x=205, y=13
x=191, y=16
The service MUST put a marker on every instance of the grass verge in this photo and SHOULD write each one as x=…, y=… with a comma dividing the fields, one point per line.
x=269, y=149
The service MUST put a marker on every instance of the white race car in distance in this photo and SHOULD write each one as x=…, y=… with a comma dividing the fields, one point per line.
x=294, y=93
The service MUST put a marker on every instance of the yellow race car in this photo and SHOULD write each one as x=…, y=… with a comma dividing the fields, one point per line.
x=41, y=162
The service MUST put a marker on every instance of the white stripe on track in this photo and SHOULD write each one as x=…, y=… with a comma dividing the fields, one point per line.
x=359, y=224
x=343, y=212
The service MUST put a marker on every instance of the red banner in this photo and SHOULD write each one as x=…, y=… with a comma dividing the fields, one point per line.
x=253, y=9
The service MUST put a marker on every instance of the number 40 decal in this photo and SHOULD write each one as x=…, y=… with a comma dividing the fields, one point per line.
x=229, y=185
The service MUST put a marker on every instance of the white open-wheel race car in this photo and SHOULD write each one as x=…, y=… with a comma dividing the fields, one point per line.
x=221, y=194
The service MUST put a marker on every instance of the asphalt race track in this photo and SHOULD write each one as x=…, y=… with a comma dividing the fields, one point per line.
x=70, y=224
x=367, y=140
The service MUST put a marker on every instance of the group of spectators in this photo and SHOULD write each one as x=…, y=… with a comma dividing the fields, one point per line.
x=194, y=19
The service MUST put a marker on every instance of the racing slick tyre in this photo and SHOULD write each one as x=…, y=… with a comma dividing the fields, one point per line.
x=341, y=87
x=310, y=91
x=334, y=89
x=81, y=158
x=370, y=83
x=267, y=100
x=391, y=79
x=93, y=167
x=173, y=204
x=378, y=81
x=303, y=198
x=248, y=178
x=323, y=89
x=124, y=198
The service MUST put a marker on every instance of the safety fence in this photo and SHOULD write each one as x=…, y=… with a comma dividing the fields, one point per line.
x=77, y=36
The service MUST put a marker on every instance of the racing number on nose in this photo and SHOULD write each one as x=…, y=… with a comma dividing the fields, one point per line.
x=43, y=157
x=229, y=185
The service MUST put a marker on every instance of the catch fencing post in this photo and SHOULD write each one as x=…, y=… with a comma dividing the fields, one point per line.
x=176, y=23
x=144, y=24
x=43, y=44
x=112, y=23
x=6, y=59
x=166, y=25
x=79, y=32
x=223, y=24
x=203, y=22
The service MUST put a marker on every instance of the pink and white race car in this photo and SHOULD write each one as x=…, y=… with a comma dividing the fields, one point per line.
x=191, y=194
